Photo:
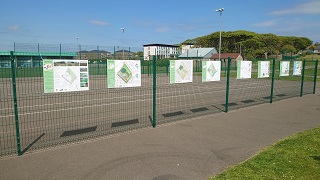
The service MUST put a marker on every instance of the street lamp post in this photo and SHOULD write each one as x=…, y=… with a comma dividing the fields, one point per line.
x=220, y=10
x=122, y=42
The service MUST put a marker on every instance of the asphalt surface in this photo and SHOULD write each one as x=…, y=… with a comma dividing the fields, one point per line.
x=196, y=148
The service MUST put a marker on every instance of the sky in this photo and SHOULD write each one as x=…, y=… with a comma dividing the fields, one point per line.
x=99, y=22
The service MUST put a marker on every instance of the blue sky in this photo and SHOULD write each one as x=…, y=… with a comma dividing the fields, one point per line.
x=98, y=22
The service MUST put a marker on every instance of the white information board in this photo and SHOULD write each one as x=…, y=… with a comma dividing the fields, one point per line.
x=211, y=71
x=123, y=73
x=244, y=69
x=64, y=75
x=263, y=69
x=284, y=68
x=181, y=71
x=297, y=67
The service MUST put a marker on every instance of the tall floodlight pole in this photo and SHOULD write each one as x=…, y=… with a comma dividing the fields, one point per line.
x=122, y=29
x=77, y=40
x=220, y=11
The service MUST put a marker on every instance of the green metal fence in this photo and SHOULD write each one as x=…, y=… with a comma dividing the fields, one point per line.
x=31, y=119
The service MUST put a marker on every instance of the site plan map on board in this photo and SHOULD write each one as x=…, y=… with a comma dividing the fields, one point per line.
x=284, y=68
x=123, y=73
x=181, y=71
x=244, y=69
x=263, y=69
x=297, y=67
x=211, y=70
x=62, y=75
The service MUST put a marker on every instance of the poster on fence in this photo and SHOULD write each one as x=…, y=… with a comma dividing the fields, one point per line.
x=244, y=69
x=61, y=75
x=211, y=71
x=284, y=68
x=263, y=69
x=181, y=71
x=297, y=67
x=123, y=73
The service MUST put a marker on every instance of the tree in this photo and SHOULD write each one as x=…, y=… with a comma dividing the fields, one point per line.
x=139, y=54
x=252, y=43
x=188, y=42
x=270, y=43
x=288, y=48
x=250, y=46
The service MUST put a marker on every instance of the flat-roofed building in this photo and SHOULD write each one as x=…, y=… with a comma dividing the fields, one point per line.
x=160, y=50
x=32, y=59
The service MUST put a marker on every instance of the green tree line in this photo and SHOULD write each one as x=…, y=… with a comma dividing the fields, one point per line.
x=251, y=44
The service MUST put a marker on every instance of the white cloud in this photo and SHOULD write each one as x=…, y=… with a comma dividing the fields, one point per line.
x=99, y=23
x=311, y=7
x=162, y=29
x=188, y=27
x=295, y=26
x=13, y=28
x=269, y=23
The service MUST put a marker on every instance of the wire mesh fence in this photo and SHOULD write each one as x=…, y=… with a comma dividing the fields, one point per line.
x=7, y=120
x=170, y=90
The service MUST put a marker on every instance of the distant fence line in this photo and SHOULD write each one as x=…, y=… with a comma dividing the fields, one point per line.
x=31, y=54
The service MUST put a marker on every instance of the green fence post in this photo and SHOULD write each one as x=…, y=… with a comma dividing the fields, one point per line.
x=196, y=68
x=129, y=53
x=60, y=50
x=14, y=89
x=154, y=105
x=149, y=67
x=272, y=79
x=167, y=67
x=225, y=66
x=315, y=77
x=197, y=62
x=302, y=77
x=80, y=51
x=107, y=68
x=228, y=84
x=142, y=65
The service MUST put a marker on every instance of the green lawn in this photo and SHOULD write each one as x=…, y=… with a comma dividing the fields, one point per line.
x=310, y=57
x=297, y=157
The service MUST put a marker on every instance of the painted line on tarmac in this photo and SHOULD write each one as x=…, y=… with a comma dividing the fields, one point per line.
x=63, y=103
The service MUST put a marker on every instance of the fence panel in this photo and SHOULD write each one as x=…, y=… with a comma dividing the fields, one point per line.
x=247, y=91
x=7, y=119
x=176, y=100
x=287, y=85
x=49, y=119
x=310, y=77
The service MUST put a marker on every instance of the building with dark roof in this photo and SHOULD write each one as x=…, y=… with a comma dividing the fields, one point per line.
x=316, y=49
x=233, y=56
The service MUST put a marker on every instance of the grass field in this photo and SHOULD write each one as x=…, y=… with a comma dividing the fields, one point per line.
x=310, y=57
x=297, y=157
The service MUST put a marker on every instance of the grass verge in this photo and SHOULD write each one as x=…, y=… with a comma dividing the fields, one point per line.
x=296, y=157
